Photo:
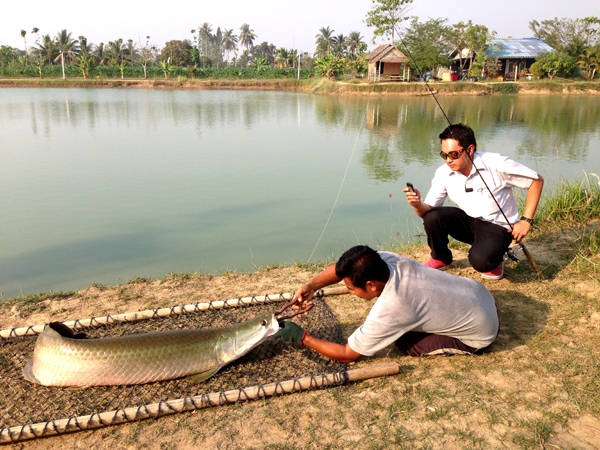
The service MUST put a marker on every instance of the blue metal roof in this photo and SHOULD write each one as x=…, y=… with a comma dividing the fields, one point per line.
x=517, y=48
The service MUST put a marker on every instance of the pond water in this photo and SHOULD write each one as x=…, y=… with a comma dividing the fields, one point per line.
x=104, y=186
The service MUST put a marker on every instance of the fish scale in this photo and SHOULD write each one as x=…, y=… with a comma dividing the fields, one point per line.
x=142, y=358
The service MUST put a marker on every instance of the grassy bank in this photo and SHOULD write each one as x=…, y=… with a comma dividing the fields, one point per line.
x=538, y=386
x=322, y=85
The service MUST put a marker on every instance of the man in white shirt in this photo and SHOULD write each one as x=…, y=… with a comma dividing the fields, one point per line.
x=422, y=310
x=489, y=223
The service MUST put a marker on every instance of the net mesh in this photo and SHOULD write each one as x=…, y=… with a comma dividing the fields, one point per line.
x=275, y=360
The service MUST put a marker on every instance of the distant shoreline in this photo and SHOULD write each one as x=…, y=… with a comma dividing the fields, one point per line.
x=322, y=86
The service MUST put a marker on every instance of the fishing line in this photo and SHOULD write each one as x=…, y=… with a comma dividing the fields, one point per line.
x=358, y=133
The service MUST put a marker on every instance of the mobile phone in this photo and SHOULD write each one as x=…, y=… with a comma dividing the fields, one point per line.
x=410, y=186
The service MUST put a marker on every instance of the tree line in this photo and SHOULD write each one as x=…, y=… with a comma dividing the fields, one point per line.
x=428, y=45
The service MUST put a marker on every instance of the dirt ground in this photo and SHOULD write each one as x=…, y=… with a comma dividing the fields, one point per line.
x=528, y=391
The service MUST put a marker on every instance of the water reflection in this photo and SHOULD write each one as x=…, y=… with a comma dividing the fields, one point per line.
x=107, y=185
x=404, y=131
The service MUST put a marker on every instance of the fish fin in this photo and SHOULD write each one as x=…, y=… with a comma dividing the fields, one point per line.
x=65, y=331
x=202, y=376
x=62, y=329
x=28, y=373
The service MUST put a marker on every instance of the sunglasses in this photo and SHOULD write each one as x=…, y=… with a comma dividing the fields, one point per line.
x=451, y=155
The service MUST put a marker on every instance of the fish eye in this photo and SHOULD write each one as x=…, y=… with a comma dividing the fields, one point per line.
x=264, y=323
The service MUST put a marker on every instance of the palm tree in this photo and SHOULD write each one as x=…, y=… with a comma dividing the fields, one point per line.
x=293, y=57
x=23, y=34
x=339, y=45
x=324, y=40
x=131, y=50
x=115, y=50
x=205, y=32
x=229, y=43
x=67, y=48
x=588, y=60
x=47, y=49
x=100, y=54
x=281, y=58
x=247, y=37
x=355, y=42
x=84, y=47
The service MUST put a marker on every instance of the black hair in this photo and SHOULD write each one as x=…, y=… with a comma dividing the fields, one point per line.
x=461, y=133
x=362, y=264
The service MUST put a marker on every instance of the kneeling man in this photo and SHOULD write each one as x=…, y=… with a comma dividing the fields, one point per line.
x=422, y=310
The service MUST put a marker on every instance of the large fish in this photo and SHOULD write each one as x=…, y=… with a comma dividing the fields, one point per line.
x=61, y=360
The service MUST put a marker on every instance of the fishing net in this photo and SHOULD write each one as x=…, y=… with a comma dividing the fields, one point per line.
x=271, y=362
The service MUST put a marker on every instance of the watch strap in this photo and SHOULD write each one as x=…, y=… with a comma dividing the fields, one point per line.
x=527, y=219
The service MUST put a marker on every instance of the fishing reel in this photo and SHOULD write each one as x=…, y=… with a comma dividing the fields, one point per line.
x=513, y=253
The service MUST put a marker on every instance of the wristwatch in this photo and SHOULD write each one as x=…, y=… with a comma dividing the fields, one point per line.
x=527, y=219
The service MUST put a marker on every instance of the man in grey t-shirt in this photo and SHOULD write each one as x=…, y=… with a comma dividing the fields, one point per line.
x=422, y=310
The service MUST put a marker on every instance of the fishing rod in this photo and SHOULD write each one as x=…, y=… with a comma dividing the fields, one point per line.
x=510, y=253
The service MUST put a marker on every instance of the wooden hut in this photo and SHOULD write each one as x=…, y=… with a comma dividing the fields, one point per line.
x=388, y=63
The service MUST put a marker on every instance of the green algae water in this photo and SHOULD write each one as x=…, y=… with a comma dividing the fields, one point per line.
x=104, y=186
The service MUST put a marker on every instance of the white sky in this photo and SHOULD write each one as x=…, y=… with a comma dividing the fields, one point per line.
x=281, y=23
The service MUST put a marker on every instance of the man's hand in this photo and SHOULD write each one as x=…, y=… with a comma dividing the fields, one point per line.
x=520, y=230
x=303, y=298
x=289, y=331
x=414, y=200
x=413, y=197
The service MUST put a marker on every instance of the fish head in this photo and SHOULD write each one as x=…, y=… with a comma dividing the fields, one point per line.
x=247, y=335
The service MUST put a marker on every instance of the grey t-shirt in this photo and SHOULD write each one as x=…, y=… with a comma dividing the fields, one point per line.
x=418, y=298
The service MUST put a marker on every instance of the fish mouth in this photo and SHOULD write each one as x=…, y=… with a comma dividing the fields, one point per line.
x=274, y=328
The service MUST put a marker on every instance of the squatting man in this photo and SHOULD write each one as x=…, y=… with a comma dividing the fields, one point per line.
x=422, y=310
x=488, y=224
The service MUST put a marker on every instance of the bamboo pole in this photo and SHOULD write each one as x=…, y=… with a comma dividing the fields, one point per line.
x=61, y=426
x=164, y=312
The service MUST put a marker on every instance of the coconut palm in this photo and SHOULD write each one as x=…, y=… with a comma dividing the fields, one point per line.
x=589, y=60
x=23, y=34
x=67, y=48
x=229, y=43
x=355, y=42
x=324, y=40
x=84, y=47
x=100, y=54
x=47, y=49
x=205, y=33
x=281, y=58
x=131, y=50
x=115, y=50
x=247, y=37
x=339, y=45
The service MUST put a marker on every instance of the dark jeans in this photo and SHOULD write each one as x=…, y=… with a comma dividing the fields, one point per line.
x=489, y=241
x=416, y=343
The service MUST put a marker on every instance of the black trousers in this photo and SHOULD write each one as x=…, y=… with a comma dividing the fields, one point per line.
x=488, y=241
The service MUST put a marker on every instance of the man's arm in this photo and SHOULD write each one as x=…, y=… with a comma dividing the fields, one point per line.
x=339, y=352
x=521, y=228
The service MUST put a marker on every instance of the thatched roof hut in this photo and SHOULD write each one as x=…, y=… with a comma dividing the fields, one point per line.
x=387, y=62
